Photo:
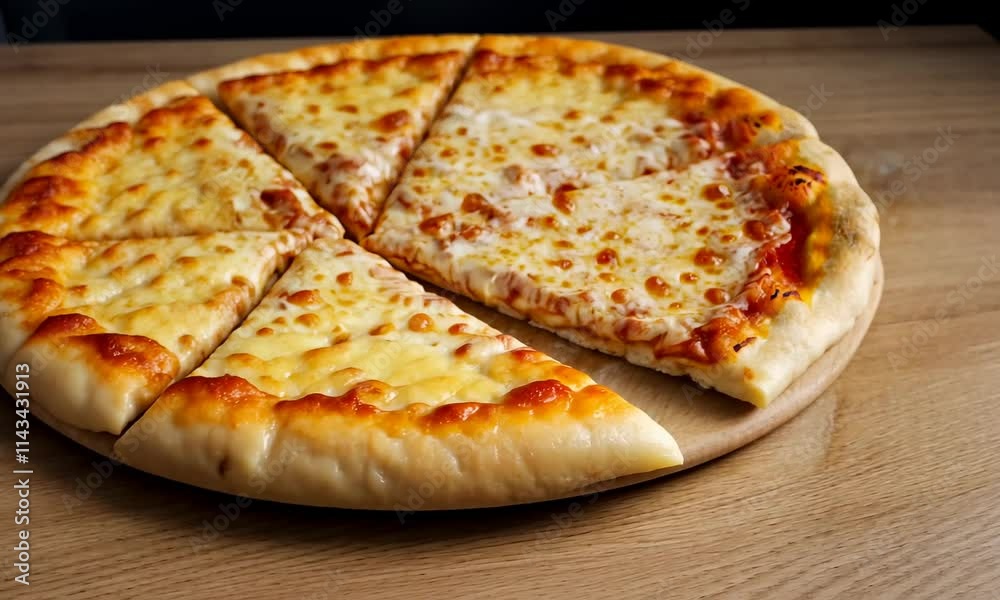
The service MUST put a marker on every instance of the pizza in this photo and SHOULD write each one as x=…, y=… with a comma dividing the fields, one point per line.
x=108, y=325
x=345, y=124
x=175, y=269
x=167, y=162
x=315, y=400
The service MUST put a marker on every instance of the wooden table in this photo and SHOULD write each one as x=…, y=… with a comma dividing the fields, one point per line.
x=888, y=486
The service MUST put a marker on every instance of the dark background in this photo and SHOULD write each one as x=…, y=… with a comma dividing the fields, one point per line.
x=79, y=20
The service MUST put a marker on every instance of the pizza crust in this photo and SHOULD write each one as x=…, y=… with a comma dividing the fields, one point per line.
x=802, y=332
x=207, y=82
x=349, y=462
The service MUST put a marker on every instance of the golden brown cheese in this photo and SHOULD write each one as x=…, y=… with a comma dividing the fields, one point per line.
x=325, y=337
x=107, y=325
x=180, y=167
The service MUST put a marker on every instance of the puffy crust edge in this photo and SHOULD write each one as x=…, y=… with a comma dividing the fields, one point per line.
x=206, y=82
x=344, y=459
x=802, y=332
x=129, y=111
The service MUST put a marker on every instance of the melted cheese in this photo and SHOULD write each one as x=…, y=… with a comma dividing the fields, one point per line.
x=534, y=124
x=115, y=323
x=647, y=260
x=138, y=287
x=182, y=168
x=341, y=316
x=346, y=129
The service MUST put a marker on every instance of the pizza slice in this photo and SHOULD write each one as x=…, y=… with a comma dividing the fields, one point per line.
x=351, y=386
x=345, y=118
x=740, y=270
x=167, y=162
x=106, y=326
x=535, y=115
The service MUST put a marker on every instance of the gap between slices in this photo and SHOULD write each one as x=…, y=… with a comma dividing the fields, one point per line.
x=165, y=163
x=351, y=386
x=108, y=325
x=346, y=126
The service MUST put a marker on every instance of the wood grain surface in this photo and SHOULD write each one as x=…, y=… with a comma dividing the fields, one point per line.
x=886, y=487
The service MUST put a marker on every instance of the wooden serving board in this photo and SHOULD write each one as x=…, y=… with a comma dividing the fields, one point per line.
x=705, y=423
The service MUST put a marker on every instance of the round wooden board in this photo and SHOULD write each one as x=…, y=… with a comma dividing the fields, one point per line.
x=705, y=423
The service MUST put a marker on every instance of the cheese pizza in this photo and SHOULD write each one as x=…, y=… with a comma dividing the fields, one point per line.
x=108, y=325
x=164, y=163
x=626, y=201
x=351, y=386
x=344, y=122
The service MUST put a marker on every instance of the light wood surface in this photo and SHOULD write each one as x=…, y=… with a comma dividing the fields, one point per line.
x=886, y=486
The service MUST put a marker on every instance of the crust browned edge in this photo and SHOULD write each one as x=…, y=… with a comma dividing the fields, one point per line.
x=401, y=467
x=80, y=396
x=207, y=82
x=802, y=332
x=322, y=455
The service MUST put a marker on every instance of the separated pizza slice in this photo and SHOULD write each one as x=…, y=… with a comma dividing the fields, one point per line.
x=739, y=271
x=165, y=163
x=535, y=115
x=344, y=118
x=351, y=386
x=106, y=326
